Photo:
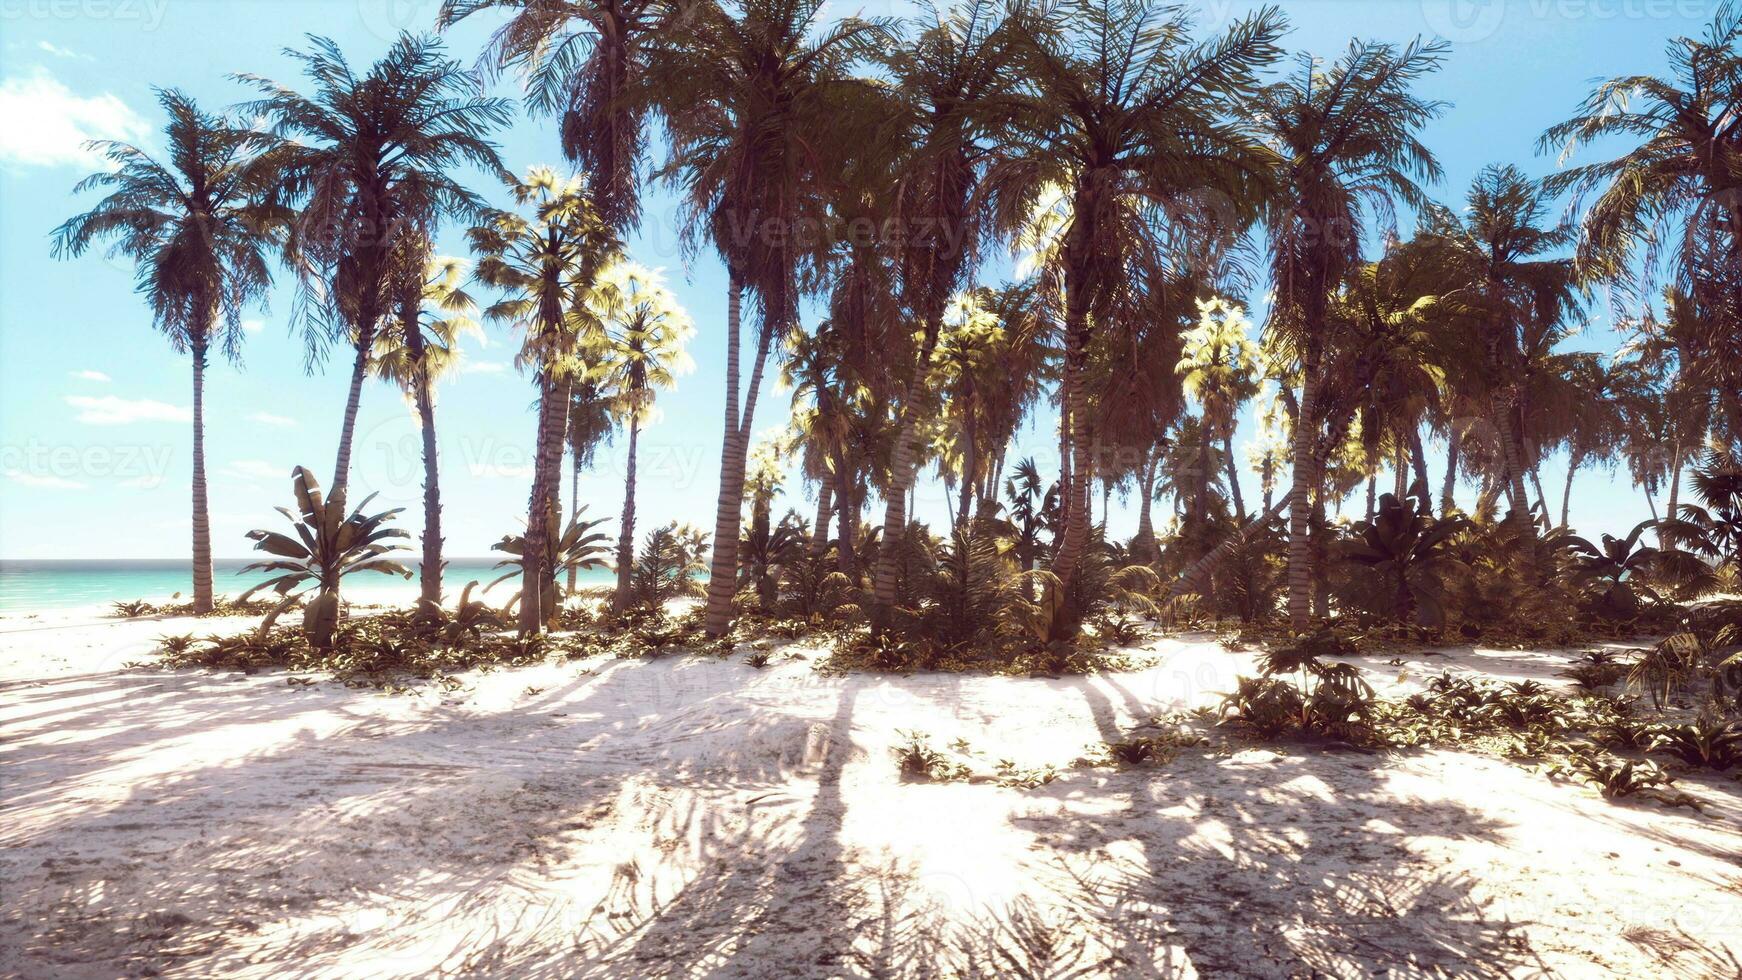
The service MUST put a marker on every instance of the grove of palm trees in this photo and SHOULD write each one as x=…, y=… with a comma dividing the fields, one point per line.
x=1142, y=542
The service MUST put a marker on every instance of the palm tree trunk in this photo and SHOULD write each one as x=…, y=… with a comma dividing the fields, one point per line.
x=1577, y=457
x=535, y=558
x=1418, y=458
x=430, y=570
x=202, y=521
x=1189, y=580
x=1233, y=476
x=847, y=520
x=1514, y=453
x=728, y=515
x=1372, y=494
x=1076, y=536
x=1317, y=544
x=820, y=530
x=1145, y=541
x=1454, y=444
x=1541, y=498
x=359, y=371
x=575, y=503
x=626, y=533
x=1675, y=489
x=1303, y=477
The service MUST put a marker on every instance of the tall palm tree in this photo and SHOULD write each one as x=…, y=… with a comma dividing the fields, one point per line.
x=367, y=160
x=950, y=84
x=748, y=87
x=1219, y=367
x=1121, y=109
x=588, y=62
x=548, y=265
x=1518, y=304
x=198, y=227
x=640, y=352
x=1346, y=135
x=1677, y=185
x=419, y=347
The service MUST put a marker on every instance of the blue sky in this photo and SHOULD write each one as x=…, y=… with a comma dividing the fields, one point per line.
x=94, y=446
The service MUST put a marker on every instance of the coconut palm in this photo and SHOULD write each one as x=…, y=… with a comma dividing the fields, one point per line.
x=588, y=62
x=640, y=351
x=747, y=88
x=1347, y=137
x=417, y=349
x=1518, y=307
x=548, y=265
x=951, y=83
x=367, y=160
x=1219, y=368
x=1678, y=184
x=1121, y=114
x=198, y=227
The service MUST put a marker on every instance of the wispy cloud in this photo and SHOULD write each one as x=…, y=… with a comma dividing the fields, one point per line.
x=267, y=418
x=499, y=471
x=46, y=482
x=483, y=367
x=112, y=410
x=253, y=326
x=60, y=52
x=254, y=469
x=47, y=125
x=96, y=376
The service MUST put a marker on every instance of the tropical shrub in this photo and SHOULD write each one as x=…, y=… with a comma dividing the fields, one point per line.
x=669, y=566
x=329, y=545
x=1404, y=551
x=579, y=547
x=1709, y=741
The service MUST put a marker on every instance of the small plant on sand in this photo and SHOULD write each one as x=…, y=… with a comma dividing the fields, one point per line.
x=919, y=761
x=1595, y=669
x=757, y=659
x=133, y=609
x=1619, y=778
x=176, y=646
x=329, y=545
x=1709, y=741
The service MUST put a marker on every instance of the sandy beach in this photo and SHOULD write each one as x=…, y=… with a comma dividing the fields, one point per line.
x=690, y=816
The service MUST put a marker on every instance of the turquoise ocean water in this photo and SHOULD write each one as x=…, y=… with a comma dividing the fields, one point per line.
x=29, y=586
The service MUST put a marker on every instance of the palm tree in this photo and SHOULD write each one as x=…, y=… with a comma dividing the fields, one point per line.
x=547, y=265
x=1346, y=135
x=1219, y=367
x=419, y=347
x=1517, y=304
x=748, y=88
x=950, y=87
x=198, y=227
x=641, y=351
x=367, y=161
x=589, y=62
x=1121, y=109
x=1679, y=183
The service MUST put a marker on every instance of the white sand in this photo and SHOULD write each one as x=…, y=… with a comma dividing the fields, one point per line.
x=688, y=817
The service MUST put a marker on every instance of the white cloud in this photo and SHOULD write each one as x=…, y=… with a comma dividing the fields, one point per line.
x=499, y=471
x=255, y=469
x=46, y=482
x=47, y=125
x=110, y=410
x=253, y=326
x=482, y=367
x=267, y=418
x=60, y=52
x=96, y=376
